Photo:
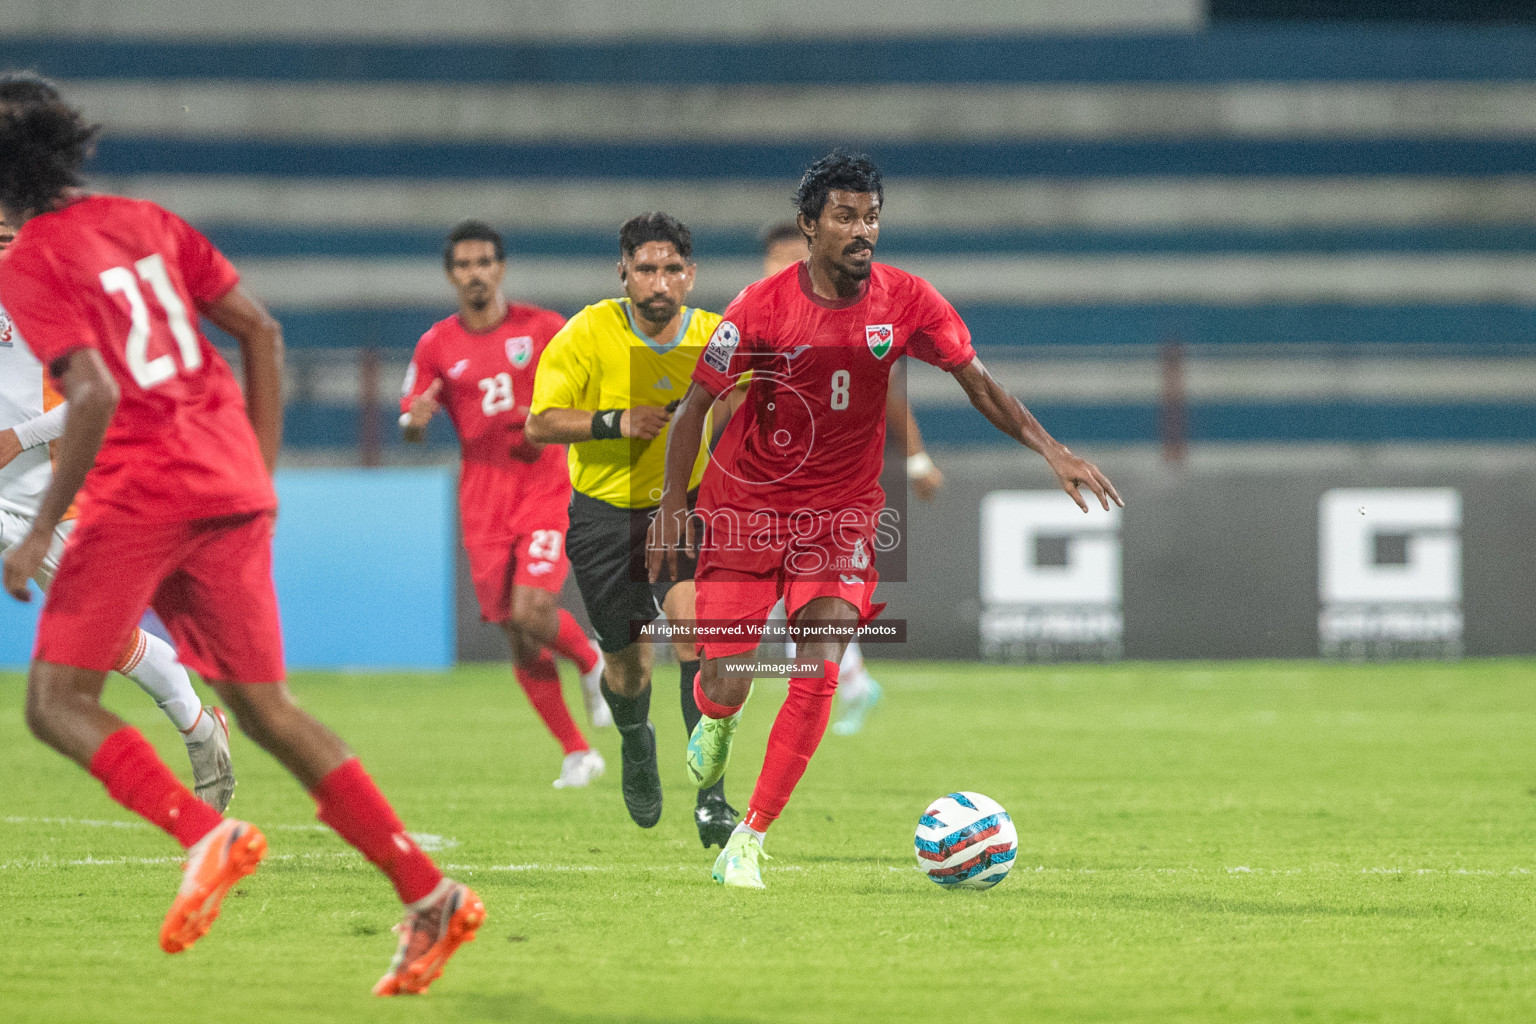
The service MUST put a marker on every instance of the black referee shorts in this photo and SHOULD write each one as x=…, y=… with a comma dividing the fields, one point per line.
x=606, y=546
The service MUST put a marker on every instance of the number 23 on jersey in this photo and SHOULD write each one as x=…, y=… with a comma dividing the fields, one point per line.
x=497, y=395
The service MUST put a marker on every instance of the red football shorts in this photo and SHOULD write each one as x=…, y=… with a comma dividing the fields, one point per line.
x=209, y=580
x=534, y=557
x=738, y=583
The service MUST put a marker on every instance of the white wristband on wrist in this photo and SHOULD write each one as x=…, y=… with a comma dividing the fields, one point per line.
x=919, y=464
x=405, y=419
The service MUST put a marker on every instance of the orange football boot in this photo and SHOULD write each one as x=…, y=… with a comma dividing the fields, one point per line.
x=428, y=937
x=214, y=864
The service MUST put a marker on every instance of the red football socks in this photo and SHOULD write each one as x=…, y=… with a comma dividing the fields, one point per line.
x=796, y=732
x=352, y=805
x=709, y=707
x=136, y=778
x=571, y=643
x=541, y=682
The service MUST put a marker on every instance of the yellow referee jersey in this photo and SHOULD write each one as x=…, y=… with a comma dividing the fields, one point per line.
x=601, y=360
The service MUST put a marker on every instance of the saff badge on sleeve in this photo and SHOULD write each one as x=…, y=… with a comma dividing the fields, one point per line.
x=722, y=345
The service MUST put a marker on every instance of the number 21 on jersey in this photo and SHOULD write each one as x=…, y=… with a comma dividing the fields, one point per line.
x=151, y=270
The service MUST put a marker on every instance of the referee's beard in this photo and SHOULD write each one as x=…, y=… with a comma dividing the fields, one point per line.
x=658, y=310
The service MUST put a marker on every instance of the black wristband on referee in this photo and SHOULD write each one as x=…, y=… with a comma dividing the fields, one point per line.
x=605, y=424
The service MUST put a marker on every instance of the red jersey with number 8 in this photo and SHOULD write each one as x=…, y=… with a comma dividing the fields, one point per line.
x=127, y=278
x=812, y=433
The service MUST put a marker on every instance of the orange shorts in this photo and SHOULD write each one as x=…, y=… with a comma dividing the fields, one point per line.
x=209, y=580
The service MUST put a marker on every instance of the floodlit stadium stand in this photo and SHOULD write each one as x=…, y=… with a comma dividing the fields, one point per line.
x=1335, y=225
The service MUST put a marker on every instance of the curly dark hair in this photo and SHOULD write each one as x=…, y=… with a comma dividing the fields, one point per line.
x=655, y=227
x=43, y=142
x=472, y=231
x=839, y=171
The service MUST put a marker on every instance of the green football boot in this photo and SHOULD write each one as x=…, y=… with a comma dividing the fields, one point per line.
x=739, y=863
x=709, y=749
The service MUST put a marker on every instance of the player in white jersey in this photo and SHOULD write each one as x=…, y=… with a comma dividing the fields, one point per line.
x=32, y=414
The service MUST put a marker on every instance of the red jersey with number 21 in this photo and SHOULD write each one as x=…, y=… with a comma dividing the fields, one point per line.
x=812, y=432
x=487, y=384
x=127, y=278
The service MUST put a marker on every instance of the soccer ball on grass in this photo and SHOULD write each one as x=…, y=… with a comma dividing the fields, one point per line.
x=966, y=841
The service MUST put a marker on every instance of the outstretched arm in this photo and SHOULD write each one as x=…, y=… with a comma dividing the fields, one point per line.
x=672, y=526
x=91, y=395
x=261, y=353
x=571, y=426
x=1008, y=414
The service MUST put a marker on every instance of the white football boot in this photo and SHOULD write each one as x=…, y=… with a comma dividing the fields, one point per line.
x=579, y=769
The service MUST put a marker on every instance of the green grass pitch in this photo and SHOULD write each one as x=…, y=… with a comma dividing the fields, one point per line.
x=1239, y=842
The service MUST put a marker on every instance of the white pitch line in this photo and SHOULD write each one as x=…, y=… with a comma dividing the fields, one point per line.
x=429, y=841
x=350, y=855
x=97, y=862
x=438, y=842
x=12, y=819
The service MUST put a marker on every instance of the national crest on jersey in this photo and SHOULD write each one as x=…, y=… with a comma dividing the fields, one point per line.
x=879, y=337
x=811, y=432
x=519, y=350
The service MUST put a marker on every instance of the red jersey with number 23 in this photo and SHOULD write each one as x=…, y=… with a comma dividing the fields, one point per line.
x=487, y=385
x=812, y=432
x=127, y=278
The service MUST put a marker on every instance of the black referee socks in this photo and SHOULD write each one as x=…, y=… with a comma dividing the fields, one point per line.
x=628, y=712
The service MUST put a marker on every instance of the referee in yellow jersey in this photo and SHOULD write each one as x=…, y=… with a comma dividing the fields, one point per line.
x=604, y=387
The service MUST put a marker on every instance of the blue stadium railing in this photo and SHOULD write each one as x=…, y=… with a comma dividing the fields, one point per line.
x=1255, y=53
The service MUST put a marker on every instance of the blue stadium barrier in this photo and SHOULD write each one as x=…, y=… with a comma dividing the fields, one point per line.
x=1466, y=326
x=364, y=563
x=1491, y=327
x=262, y=241
x=1268, y=53
x=18, y=627
x=704, y=161
x=364, y=566
x=1343, y=422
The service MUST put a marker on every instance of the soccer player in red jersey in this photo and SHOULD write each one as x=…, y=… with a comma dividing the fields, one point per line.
x=783, y=245
x=791, y=502
x=177, y=513
x=479, y=364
